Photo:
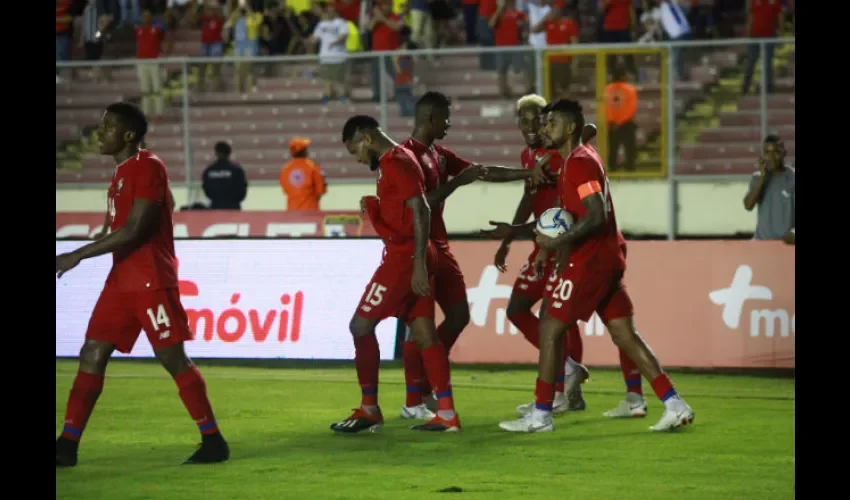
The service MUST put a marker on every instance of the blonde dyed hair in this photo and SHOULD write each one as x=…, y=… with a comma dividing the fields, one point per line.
x=530, y=101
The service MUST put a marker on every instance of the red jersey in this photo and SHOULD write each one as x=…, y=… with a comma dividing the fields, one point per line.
x=151, y=265
x=583, y=176
x=765, y=18
x=211, y=27
x=618, y=15
x=508, y=29
x=349, y=11
x=560, y=32
x=149, y=41
x=542, y=197
x=384, y=37
x=400, y=178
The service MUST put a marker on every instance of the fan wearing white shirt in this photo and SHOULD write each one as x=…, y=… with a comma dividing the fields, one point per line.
x=331, y=34
x=667, y=18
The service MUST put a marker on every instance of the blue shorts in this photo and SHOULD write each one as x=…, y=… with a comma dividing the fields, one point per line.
x=246, y=48
x=215, y=49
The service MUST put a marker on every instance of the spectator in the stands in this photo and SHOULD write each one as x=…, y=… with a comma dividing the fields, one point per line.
x=209, y=19
x=621, y=104
x=470, y=21
x=279, y=32
x=442, y=12
x=484, y=32
x=772, y=188
x=301, y=179
x=178, y=11
x=64, y=33
x=149, y=41
x=331, y=35
x=508, y=24
x=665, y=17
x=537, y=12
x=619, y=21
x=158, y=9
x=131, y=12
x=385, y=27
x=763, y=18
x=224, y=181
x=702, y=18
x=560, y=29
x=245, y=22
x=421, y=24
x=404, y=76
x=348, y=9
x=98, y=16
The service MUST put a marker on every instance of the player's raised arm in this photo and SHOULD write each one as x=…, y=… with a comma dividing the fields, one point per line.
x=439, y=195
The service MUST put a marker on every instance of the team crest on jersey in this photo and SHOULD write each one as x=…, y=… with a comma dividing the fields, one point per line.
x=379, y=173
x=119, y=185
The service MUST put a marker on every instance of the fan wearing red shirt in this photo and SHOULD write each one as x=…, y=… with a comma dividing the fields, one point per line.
x=508, y=24
x=591, y=279
x=149, y=39
x=763, y=17
x=432, y=122
x=385, y=27
x=211, y=22
x=560, y=30
x=348, y=10
x=618, y=20
x=141, y=291
x=402, y=285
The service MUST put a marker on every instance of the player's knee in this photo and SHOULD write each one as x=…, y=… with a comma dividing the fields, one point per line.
x=173, y=359
x=516, y=308
x=94, y=356
x=459, y=317
x=622, y=331
x=359, y=327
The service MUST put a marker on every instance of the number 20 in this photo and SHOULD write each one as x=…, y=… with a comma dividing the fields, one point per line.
x=376, y=294
x=564, y=290
x=160, y=318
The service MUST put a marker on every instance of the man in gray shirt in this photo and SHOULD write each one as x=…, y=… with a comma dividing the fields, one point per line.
x=772, y=189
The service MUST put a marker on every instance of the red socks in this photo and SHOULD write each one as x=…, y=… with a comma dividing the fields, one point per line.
x=544, y=395
x=193, y=392
x=663, y=387
x=437, y=367
x=631, y=374
x=414, y=374
x=527, y=323
x=573, y=344
x=84, y=393
x=367, y=361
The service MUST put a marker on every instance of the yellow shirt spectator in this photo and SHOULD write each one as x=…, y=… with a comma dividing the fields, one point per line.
x=353, y=43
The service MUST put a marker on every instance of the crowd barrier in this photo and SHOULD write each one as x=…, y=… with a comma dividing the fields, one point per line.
x=699, y=304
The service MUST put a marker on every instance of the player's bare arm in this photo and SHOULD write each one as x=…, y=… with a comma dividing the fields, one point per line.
x=143, y=213
x=593, y=220
x=421, y=233
x=495, y=173
x=754, y=195
x=523, y=212
x=105, y=229
x=439, y=195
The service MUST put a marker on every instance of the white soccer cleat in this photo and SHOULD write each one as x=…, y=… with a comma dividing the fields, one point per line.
x=633, y=406
x=559, y=406
x=529, y=424
x=579, y=375
x=418, y=412
x=679, y=414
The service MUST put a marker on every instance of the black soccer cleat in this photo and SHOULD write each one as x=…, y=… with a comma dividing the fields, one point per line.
x=213, y=450
x=66, y=452
x=575, y=400
x=359, y=421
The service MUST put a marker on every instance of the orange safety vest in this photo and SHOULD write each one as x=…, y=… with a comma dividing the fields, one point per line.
x=302, y=182
x=621, y=102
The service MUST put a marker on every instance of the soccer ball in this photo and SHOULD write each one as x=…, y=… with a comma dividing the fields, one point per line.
x=554, y=222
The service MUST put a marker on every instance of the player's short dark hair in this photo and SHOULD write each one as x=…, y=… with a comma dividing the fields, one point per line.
x=433, y=99
x=772, y=139
x=572, y=109
x=357, y=123
x=131, y=117
x=222, y=148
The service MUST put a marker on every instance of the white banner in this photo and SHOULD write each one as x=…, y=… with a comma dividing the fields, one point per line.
x=246, y=298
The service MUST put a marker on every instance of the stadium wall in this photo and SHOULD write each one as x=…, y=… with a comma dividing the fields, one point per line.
x=704, y=208
x=700, y=304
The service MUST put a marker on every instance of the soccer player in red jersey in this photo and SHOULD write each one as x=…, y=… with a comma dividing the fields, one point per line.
x=529, y=285
x=402, y=285
x=140, y=293
x=432, y=122
x=591, y=280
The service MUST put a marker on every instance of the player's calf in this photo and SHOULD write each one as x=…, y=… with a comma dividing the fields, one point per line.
x=436, y=362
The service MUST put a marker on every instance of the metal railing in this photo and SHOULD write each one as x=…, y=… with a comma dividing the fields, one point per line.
x=675, y=120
